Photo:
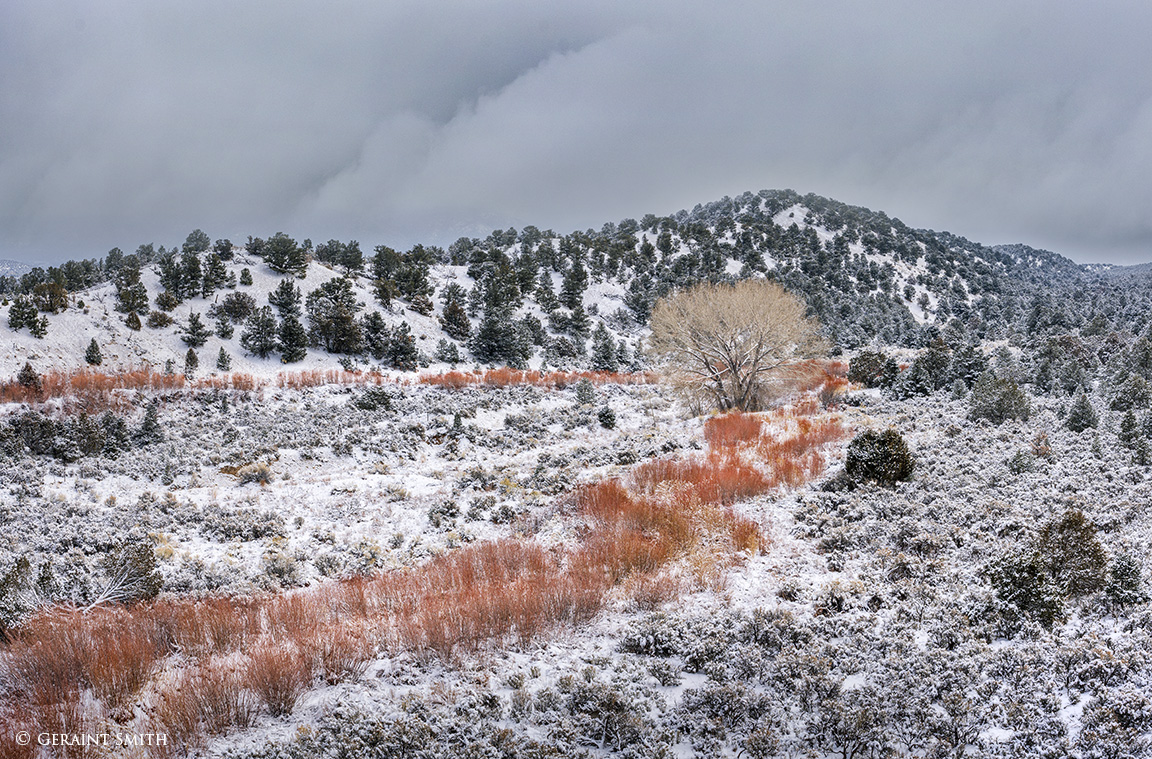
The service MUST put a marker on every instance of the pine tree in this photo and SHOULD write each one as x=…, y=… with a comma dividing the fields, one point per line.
x=572, y=289
x=22, y=313
x=133, y=321
x=1129, y=429
x=447, y=351
x=997, y=399
x=1081, y=415
x=284, y=256
x=880, y=456
x=195, y=333
x=192, y=272
x=1133, y=392
x=376, y=335
x=624, y=356
x=150, y=431
x=332, y=322
x=402, y=348
x=286, y=299
x=223, y=360
x=1140, y=357
x=1045, y=379
x=966, y=365
x=640, y=298
x=260, y=333
x=196, y=242
x=93, y=355
x=131, y=295
x=455, y=320
x=545, y=294
x=116, y=437
x=385, y=264
x=28, y=377
x=171, y=279
x=223, y=248
x=39, y=327
x=191, y=363
x=585, y=393
x=412, y=275
x=245, y=276
x=293, y=340
x=604, y=358
x=1141, y=452
x=215, y=275
x=166, y=301
x=497, y=340
x=1125, y=586
x=224, y=328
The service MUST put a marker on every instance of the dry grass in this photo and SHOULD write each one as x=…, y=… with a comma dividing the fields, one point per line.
x=505, y=377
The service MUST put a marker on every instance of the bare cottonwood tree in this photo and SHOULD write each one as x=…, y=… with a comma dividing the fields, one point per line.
x=733, y=341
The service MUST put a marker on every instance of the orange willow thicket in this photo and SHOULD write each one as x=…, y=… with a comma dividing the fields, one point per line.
x=92, y=391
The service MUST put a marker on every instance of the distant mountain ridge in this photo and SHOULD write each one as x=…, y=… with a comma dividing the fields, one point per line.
x=13, y=268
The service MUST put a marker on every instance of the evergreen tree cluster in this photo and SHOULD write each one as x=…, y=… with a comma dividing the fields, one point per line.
x=868, y=278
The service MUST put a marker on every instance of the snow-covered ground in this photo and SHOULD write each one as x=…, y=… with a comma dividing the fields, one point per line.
x=870, y=620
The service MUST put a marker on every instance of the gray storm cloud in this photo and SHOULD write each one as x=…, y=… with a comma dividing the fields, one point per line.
x=131, y=122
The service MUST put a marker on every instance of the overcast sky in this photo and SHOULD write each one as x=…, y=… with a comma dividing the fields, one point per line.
x=393, y=122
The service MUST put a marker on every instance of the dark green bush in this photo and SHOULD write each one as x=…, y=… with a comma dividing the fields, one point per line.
x=882, y=457
x=997, y=400
x=872, y=369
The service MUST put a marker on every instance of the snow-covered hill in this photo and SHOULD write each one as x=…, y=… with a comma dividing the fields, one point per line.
x=13, y=268
x=866, y=277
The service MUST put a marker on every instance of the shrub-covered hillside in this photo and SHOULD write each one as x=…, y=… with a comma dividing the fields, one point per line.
x=532, y=297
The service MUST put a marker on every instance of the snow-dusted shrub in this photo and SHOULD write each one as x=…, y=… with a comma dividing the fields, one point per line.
x=281, y=567
x=882, y=457
x=443, y=514
x=1115, y=718
x=665, y=672
x=529, y=422
x=1072, y=555
x=997, y=399
x=257, y=471
x=719, y=713
x=374, y=399
x=243, y=524
x=872, y=369
x=1125, y=584
x=775, y=630
x=653, y=635
x=1025, y=591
